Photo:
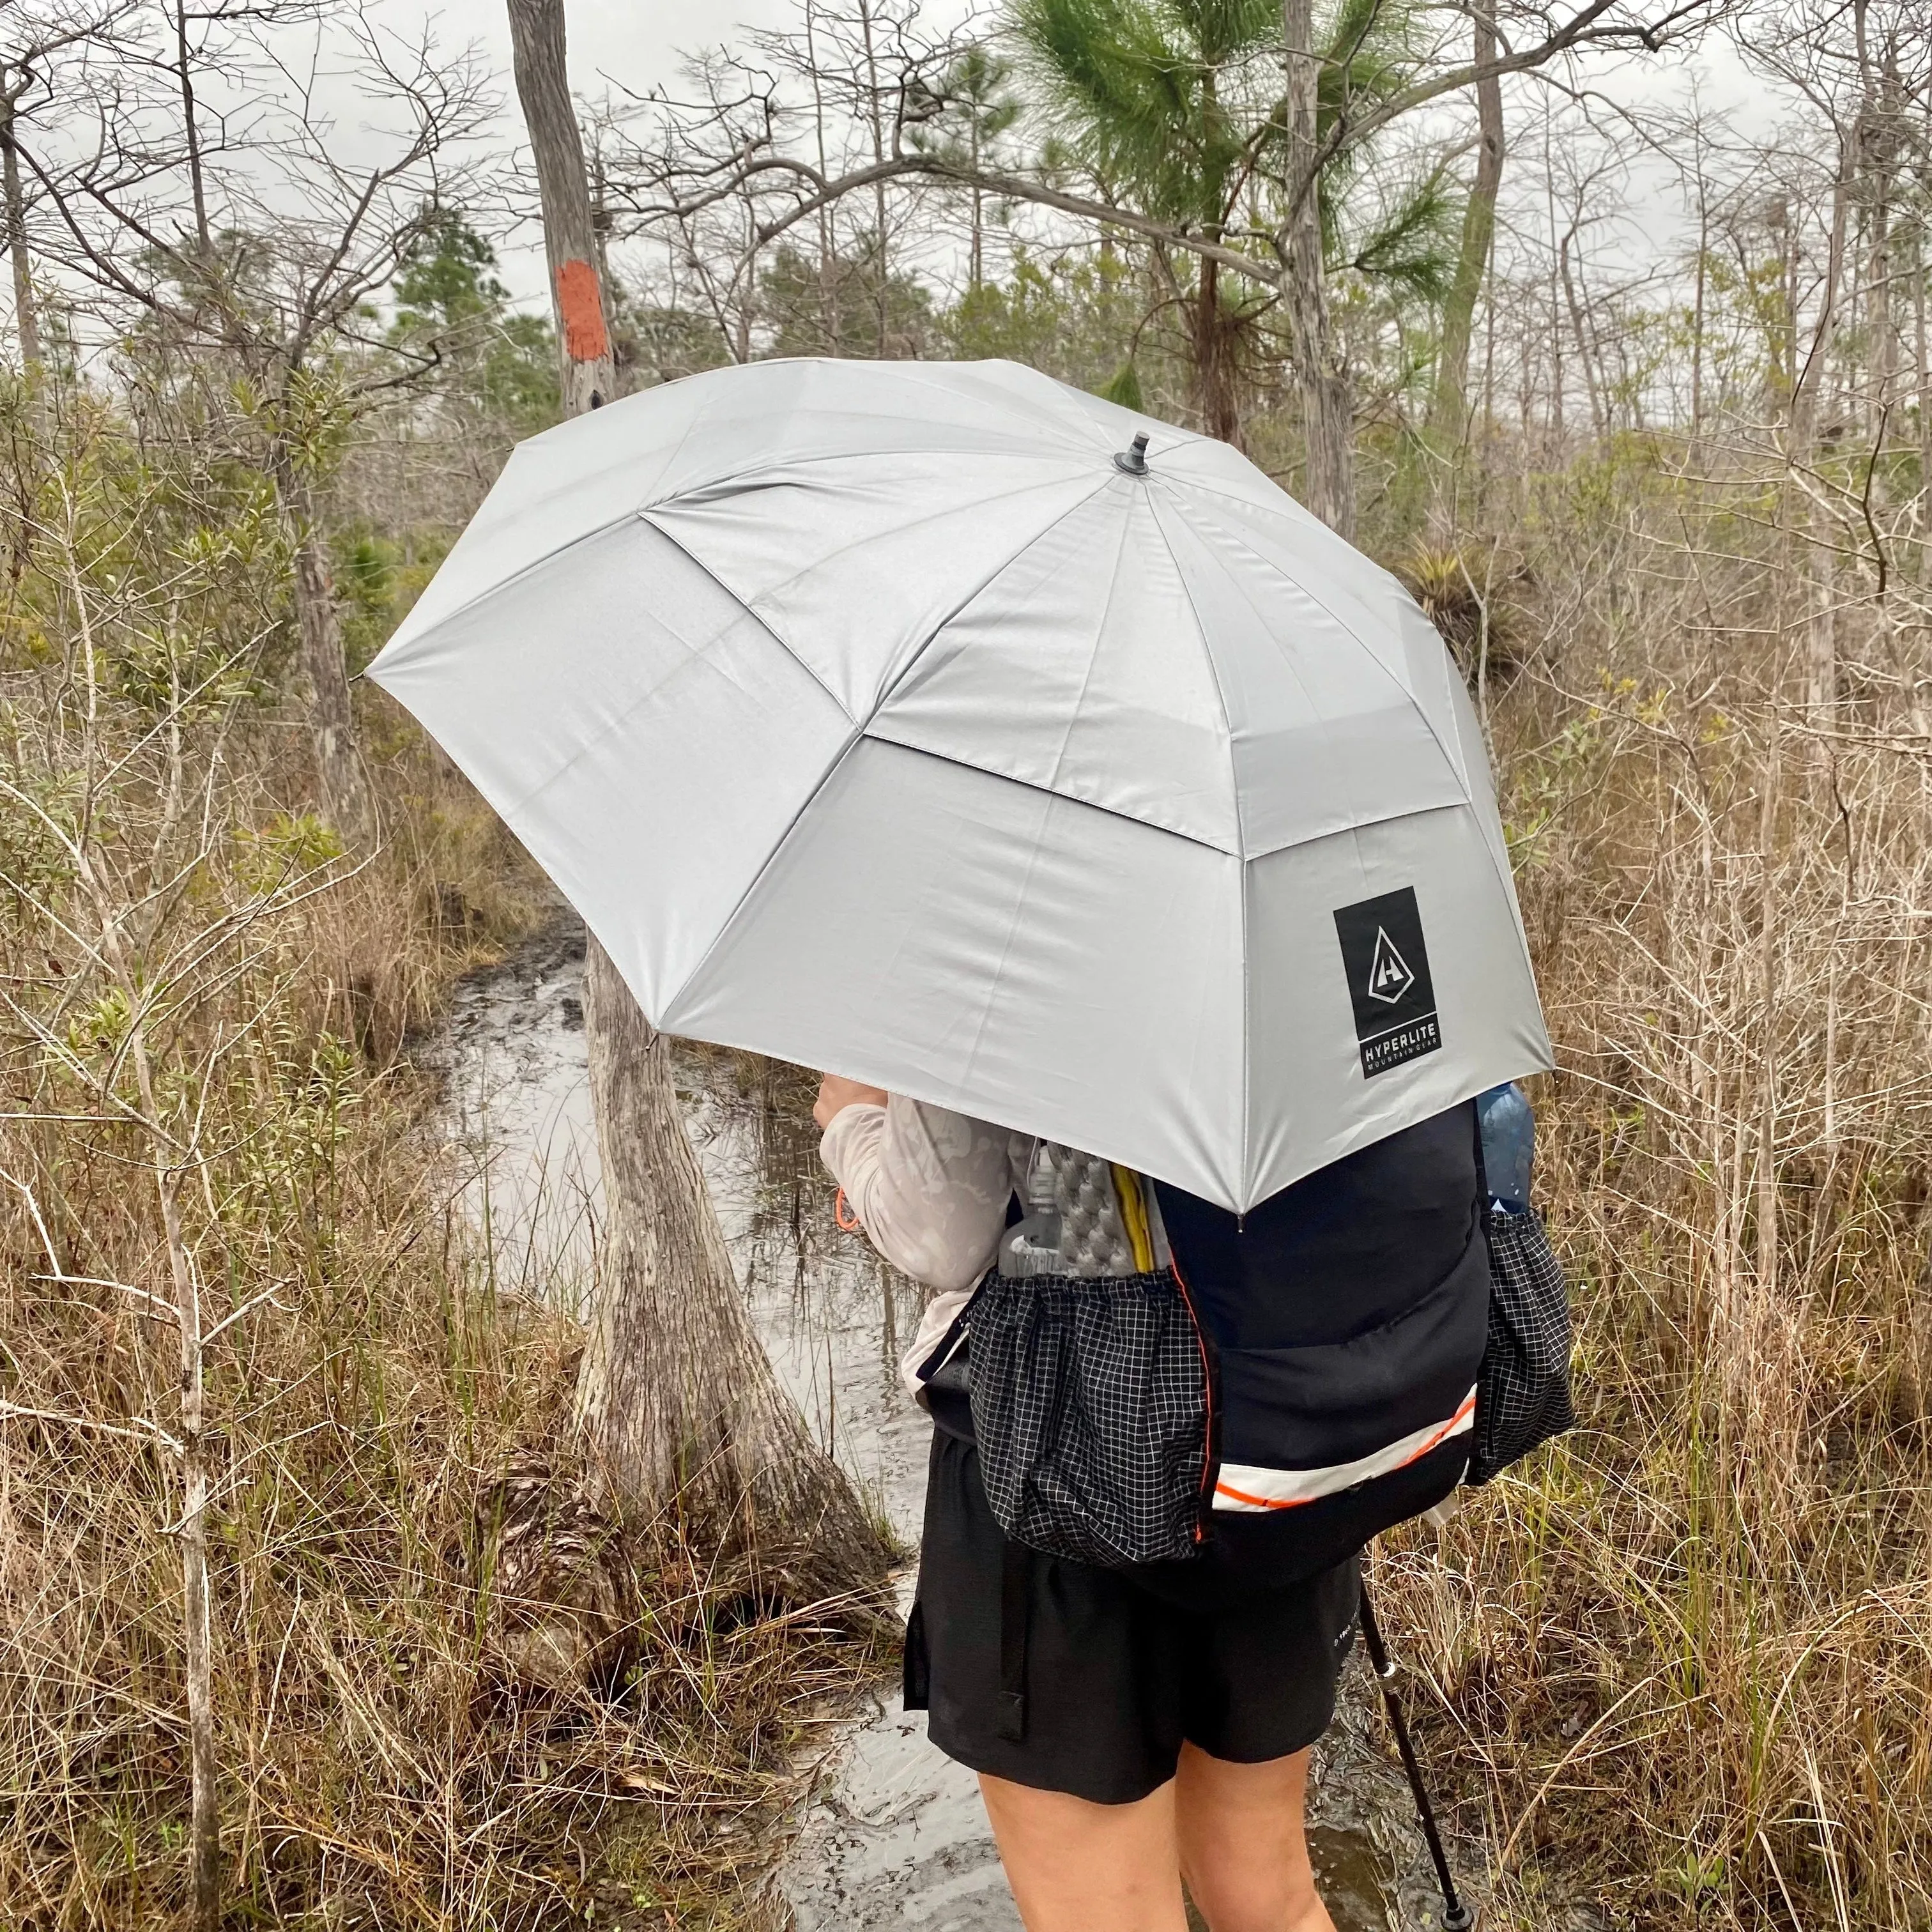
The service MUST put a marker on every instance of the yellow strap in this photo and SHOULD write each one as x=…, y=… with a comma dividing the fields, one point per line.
x=1133, y=1213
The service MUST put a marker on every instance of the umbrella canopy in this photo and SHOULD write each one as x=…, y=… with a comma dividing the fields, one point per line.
x=874, y=716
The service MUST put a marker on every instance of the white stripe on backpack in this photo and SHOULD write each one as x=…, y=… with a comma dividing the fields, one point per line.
x=1242, y=1486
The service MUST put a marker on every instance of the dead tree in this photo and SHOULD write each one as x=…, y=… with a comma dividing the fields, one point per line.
x=1448, y=413
x=682, y=1411
x=711, y=151
x=1328, y=406
x=570, y=234
x=247, y=251
x=33, y=39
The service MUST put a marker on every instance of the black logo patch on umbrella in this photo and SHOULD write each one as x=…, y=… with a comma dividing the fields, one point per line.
x=1389, y=985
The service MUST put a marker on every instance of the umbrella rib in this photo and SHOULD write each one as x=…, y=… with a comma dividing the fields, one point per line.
x=1458, y=765
x=1234, y=537
x=859, y=737
x=1456, y=762
x=742, y=482
x=818, y=561
x=1355, y=819
x=860, y=731
x=1099, y=630
x=978, y=590
x=645, y=517
x=1046, y=790
x=408, y=643
x=757, y=878
x=1240, y=828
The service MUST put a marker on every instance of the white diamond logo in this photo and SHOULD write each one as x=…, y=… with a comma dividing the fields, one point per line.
x=1389, y=976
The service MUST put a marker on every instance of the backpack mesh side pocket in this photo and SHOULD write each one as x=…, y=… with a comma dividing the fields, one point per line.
x=1090, y=1407
x=1522, y=1393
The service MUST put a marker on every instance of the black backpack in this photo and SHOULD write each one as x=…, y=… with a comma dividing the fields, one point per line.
x=1290, y=1383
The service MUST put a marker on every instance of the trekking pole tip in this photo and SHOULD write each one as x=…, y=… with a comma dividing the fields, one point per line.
x=1458, y=1918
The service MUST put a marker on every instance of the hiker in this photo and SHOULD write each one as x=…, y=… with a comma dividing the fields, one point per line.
x=1135, y=1724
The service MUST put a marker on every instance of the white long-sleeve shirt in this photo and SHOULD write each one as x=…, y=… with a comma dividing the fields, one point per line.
x=931, y=1187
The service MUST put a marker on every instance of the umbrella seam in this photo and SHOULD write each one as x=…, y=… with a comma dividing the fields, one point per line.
x=969, y=1066
x=869, y=729
x=738, y=482
x=859, y=731
x=435, y=624
x=757, y=616
x=1241, y=826
x=859, y=735
x=1100, y=630
x=700, y=414
x=1314, y=525
x=978, y=590
x=765, y=865
x=751, y=603
x=1289, y=664
x=1314, y=597
x=1460, y=773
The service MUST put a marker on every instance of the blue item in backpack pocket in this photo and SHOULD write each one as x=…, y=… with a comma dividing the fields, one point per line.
x=1509, y=1146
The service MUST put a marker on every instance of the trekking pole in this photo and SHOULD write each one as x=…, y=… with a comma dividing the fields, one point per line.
x=1456, y=1916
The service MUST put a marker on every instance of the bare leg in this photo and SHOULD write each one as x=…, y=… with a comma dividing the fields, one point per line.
x=1075, y=1866
x=1243, y=1843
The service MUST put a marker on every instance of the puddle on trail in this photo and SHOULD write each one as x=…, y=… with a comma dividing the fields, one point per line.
x=894, y=1835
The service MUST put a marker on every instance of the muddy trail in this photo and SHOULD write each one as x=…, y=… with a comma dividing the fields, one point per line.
x=893, y=1834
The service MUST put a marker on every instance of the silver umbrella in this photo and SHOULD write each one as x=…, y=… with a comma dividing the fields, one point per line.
x=947, y=726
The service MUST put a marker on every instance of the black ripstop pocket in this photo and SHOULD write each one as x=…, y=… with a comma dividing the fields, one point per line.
x=1090, y=1408
x=1523, y=1396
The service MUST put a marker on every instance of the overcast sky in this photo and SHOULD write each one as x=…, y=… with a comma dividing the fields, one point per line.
x=633, y=44
x=637, y=44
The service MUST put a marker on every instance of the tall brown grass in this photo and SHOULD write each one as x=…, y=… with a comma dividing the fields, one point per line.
x=380, y=1762
x=1683, y=1661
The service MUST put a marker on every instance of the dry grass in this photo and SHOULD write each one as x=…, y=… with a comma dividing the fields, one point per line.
x=379, y=1767
x=1683, y=1660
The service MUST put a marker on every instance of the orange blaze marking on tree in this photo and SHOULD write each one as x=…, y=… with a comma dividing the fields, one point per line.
x=577, y=301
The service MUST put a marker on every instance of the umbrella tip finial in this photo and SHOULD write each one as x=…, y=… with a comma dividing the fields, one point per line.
x=1134, y=461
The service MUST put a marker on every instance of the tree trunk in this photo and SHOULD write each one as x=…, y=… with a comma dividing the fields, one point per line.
x=345, y=793
x=1214, y=370
x=1821, y=656
x=346, y=801
x=979, y=206
x=1921, y=264
x=197, y=1599
x=1327, y=406
x=197, y=1596
x=570, y=234
x=675, y=1391
x=1447, y=421
x=883, y=294
x=25, y=321
x=1599, y=421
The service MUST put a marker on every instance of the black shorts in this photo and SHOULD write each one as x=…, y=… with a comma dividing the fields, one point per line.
x=1099, y=1681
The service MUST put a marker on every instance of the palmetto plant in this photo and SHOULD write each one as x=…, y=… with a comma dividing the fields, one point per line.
x=1176, y=108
